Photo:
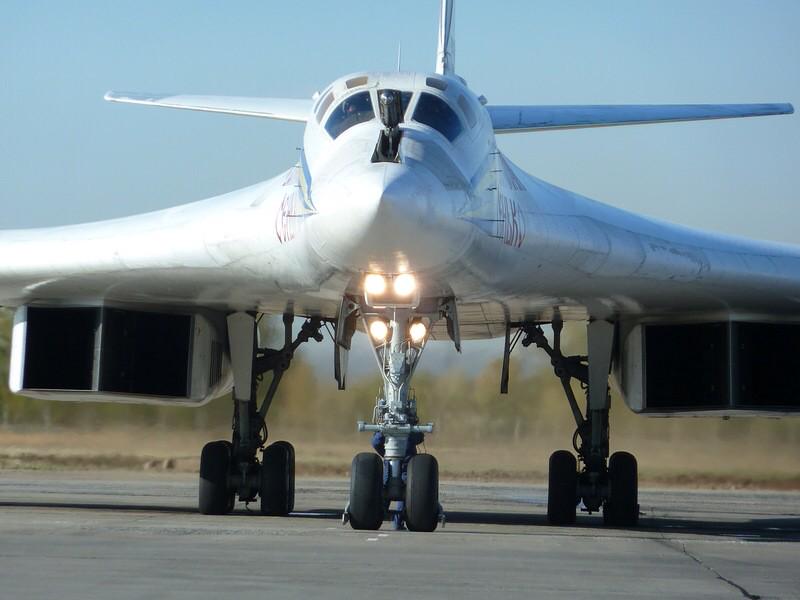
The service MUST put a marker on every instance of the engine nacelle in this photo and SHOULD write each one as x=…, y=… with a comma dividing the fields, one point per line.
x=715, y=368
x=109, y=354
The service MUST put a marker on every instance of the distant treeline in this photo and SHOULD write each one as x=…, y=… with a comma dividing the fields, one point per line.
x=466, y=407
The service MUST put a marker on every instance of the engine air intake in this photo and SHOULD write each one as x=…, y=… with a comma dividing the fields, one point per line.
x=713, y=368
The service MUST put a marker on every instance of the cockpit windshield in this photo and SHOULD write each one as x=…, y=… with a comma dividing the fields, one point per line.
x=353, y=110
x=435, y=112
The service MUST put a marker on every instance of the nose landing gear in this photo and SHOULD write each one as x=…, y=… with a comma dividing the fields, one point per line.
x=403, y=476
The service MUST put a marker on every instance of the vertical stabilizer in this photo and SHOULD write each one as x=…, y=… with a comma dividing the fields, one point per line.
x=446, y=52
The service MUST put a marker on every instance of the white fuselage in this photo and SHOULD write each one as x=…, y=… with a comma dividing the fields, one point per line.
x=457, y=213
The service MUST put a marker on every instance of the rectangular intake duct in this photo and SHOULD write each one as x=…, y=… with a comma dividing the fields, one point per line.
x=115, y=354
x=713, y=368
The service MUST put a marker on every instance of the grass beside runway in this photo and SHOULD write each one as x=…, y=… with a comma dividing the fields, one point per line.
x=694, y=464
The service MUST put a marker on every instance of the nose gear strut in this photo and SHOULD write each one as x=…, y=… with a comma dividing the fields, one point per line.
x=406, y=477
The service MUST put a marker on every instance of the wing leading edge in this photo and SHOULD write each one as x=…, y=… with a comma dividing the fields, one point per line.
x=285, y=109
x=514, y=119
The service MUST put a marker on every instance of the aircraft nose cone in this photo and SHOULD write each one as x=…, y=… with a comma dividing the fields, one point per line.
x=385, y=217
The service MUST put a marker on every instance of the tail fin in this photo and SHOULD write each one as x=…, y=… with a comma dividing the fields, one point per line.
x=446, y=52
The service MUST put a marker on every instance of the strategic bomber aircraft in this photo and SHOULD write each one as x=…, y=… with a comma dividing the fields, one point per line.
x=402, y=218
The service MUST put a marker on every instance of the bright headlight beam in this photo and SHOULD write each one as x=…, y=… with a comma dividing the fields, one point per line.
x=405, y=285
x=378, y=330
x=418, y=331
x=375, y=284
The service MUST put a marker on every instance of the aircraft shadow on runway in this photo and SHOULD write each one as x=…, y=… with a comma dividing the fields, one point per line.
x=767, y=529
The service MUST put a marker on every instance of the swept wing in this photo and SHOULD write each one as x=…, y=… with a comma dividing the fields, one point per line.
x=284, y=109
x=521, y=118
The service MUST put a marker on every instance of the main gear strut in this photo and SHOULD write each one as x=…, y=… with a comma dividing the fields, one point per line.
x=610, y=484
x=590, y=439
x=230, y=469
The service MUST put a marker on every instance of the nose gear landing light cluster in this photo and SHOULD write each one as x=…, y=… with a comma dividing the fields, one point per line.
x=397, y=291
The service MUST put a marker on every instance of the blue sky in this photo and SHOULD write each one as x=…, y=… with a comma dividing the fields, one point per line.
x=66, y=156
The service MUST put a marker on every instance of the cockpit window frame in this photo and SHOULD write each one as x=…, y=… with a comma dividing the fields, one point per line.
x=369, y=95
x=444, y=100
x=466, y=108
x=324, y=104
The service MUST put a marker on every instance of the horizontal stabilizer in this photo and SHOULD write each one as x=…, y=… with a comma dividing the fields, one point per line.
x=285, y=109
x=512, y=119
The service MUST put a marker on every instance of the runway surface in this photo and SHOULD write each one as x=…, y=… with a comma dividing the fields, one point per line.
x=121, y=536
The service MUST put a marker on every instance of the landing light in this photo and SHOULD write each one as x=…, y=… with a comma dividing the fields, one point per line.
x=405, y=285
x=379, y=331
x=418, y=331
x=395, y=291
x=375, y=284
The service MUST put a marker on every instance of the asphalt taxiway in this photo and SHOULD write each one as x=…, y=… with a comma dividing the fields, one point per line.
x=125, y=536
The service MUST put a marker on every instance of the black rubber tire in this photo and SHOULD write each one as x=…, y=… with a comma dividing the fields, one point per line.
x=622, y=507
x=562, y=488
x=366, y=491
x=422, y=493
x=277, y=479
x=214, y=497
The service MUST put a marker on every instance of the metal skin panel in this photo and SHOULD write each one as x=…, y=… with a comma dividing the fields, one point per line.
x=460, y=215
x=16, y=371
x=514, y=119
x=284, y=109
x=473, y=228
x=628, y=375
x=242, y=335
x=262, y=248
x=206, y=333
x=600, y=337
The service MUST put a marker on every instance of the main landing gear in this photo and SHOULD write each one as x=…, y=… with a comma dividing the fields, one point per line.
x=231, y=469
x=402, y=476
x=610, y=484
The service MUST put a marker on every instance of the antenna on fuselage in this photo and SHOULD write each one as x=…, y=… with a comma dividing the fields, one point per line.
x=446, y=52
x=399, y=55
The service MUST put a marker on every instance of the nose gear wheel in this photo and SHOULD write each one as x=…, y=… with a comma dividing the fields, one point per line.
x=366, y=492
